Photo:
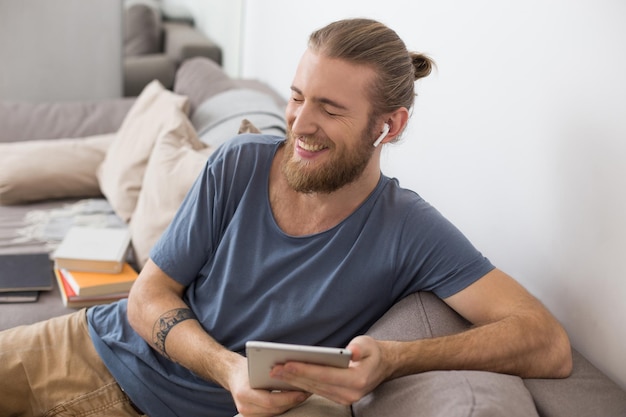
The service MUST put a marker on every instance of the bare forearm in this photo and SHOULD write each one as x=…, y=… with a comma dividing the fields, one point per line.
x=188, y=344
x=160, y=316
x=529, y=346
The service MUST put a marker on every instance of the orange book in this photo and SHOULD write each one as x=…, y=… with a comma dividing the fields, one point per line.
x=70, y=299
x=100, y=283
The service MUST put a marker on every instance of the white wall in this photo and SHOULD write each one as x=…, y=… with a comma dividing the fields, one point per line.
x=519, y=137
x=66, y=57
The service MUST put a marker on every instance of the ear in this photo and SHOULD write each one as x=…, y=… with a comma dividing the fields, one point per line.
x=397, y=122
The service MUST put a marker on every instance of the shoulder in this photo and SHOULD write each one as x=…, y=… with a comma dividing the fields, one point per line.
x=401, y=199
x=412, y=214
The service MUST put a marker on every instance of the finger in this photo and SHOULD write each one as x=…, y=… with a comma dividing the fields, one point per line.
x=265, y=403
x=360, y=347
x=336, y=384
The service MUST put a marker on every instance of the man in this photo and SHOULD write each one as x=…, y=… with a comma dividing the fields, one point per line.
x=275, y=239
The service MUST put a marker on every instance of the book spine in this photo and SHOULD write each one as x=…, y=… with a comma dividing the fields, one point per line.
x=69, y=279
x=63, y=287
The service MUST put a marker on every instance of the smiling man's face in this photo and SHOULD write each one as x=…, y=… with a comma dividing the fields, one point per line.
x=330, y=135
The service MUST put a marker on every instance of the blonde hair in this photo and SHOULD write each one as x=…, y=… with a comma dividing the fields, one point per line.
x=368, y=42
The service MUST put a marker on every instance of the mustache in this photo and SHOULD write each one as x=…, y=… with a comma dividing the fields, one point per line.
x=311, y=139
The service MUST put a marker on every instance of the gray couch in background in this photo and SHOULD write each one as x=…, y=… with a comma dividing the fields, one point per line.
x=114, y=49
x=155, y=46
x=587, y=393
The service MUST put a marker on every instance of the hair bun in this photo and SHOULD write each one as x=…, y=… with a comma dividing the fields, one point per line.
x=422, y=64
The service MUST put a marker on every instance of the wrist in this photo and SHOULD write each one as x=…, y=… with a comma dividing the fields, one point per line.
x=392, y=359
x=224, y=368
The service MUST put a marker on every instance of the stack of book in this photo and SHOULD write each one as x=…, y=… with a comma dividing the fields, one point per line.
x=90, y=266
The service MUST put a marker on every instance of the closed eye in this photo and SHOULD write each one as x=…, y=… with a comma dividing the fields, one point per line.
x=328, y=106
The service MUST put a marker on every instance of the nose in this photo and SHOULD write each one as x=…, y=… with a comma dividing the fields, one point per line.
x=301, y=118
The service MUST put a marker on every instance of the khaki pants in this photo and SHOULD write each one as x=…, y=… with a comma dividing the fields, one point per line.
x=52, y=369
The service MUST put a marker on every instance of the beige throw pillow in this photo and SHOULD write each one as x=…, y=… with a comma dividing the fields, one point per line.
x=121, y=173
x=176, y=160
x=42, y=169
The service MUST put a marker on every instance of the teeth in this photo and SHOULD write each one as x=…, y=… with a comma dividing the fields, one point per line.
x=310, y=146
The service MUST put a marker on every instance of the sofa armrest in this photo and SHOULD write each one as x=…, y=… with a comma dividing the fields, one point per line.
x=182, y=41
x=587, y=392
x=140, y=70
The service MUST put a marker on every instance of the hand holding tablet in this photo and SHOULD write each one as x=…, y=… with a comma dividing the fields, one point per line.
x=263, y=356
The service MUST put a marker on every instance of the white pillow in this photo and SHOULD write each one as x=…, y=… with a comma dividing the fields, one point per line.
x=218, y=118
x=121, y=173
x=176, y=160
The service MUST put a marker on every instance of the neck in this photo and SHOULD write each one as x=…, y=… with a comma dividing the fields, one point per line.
x=299, y=214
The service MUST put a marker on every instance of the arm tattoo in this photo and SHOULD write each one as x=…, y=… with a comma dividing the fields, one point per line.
x=165, y=323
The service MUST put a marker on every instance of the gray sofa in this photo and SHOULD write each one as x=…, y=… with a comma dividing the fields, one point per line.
x=155, y=45
x=215, y=108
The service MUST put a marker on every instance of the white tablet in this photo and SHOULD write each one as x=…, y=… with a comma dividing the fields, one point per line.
x=263, y=356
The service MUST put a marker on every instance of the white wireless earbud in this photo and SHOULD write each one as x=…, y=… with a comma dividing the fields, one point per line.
x=382, y=135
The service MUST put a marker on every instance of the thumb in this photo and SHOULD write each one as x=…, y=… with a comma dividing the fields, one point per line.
x=358, y=348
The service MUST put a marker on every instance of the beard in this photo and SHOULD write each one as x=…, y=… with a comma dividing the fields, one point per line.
x=341, y=169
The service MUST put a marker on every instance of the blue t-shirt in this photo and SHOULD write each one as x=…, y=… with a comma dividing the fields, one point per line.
x=248, y=280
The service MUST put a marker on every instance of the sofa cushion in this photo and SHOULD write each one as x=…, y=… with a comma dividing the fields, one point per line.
x=121, y=173
x=45, y=169
x=449, y=394
x=439, y=393
x=176, y=160
x=142, y=29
